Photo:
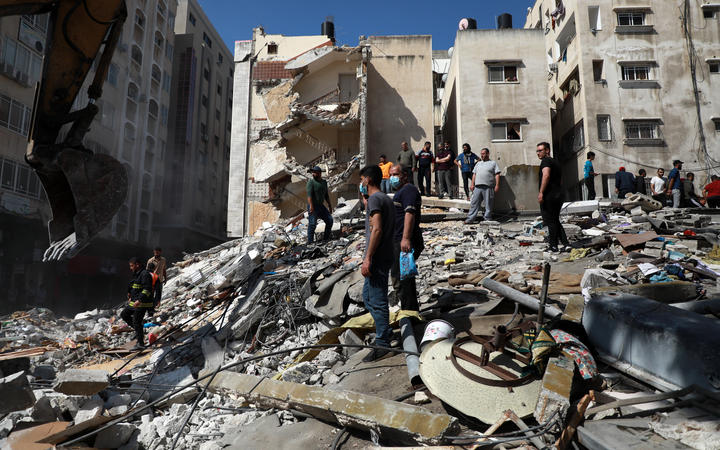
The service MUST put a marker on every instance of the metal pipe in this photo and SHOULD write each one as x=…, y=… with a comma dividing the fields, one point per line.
x=544, y=292
x=517, y=296
x=410, y=345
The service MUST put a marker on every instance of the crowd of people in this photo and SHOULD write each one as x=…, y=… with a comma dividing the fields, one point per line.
x=673, y=190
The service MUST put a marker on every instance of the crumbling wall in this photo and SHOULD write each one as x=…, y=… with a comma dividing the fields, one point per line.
x=277, y=101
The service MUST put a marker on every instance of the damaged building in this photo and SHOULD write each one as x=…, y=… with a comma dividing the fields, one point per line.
x=302, y=101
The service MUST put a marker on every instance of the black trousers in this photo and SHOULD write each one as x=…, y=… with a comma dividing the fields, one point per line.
x=550, y=212
x=424, y=180
x=623, y=193
x=590, y=184
x=134, y=318
x=158, y=293
x=405, y=290
x=466, y=177
x=713, y=202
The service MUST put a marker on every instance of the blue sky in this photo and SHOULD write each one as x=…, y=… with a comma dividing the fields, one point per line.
x=235, y=19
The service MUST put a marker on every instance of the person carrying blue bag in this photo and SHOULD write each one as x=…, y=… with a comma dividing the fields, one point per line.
x=408, y=236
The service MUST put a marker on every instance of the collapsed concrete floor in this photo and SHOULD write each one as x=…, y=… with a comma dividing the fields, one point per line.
x=258, y=343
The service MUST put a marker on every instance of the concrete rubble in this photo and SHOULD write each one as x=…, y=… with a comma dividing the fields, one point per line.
x=629, y=312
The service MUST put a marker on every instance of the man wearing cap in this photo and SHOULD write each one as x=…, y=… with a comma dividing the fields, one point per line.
x=675, y=184
x=624, y=183
x=317, y=192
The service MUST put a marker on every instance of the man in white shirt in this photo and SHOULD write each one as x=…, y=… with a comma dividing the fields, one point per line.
x=657, y=185
x=485, y=183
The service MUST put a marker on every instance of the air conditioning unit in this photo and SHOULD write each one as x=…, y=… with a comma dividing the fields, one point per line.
x=553, y=67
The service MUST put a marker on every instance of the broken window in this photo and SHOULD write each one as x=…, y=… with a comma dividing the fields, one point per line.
x=506, y=131
x=630, y=73
x=603, y=127
x=272, y=48
x=191, y=18
x=207, y=40
x=502, y=74
x=714, y=66
x=598, y=70
x=642, y=130
x=710, y=11
x=717, y=125
x=594, y=18
x=631, y=18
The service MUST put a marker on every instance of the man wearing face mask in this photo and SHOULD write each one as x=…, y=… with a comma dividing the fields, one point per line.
x=466, y=162
x=407, y=237
x=317, y=193
x=378, y=258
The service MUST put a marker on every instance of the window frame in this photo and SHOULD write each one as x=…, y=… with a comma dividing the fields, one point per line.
x=627, y=69
x=607, y=125
x=494, y=124
x=630, y=14
x=638, y=126
x=504, y=67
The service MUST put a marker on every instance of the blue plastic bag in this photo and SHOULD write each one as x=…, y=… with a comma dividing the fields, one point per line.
x=408, y=268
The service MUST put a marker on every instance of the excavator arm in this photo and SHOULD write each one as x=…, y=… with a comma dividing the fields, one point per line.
x=85, y=190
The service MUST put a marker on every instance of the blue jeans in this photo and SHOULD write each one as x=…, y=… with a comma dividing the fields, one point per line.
x=320, y=212
x=375, y=298
x=385, y=185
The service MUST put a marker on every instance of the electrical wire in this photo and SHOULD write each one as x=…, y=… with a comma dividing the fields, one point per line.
x=224, y=368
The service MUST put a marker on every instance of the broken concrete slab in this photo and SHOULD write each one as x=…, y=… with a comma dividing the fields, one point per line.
x=43, y=411
x=655, y=338
x=44, y=372
x=82, y=382
x=670, y=292
x=115, y=435
x=579, y=207
x=212, y=352
x=623, y=433
x=556, y=389
x=91, y=409
x=15, y=393
x=166, y=382
x=392, y=420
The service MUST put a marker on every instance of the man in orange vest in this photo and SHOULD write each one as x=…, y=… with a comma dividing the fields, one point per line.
x=140, y=300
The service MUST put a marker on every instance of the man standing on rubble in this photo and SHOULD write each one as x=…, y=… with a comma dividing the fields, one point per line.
x=160, y=270
x=407, y=159
x=317, y=192
x=443, y=164
x=550, y=197
x=589, y=175
x=425, y=160
x=485, y=184
x=407, y=238
x=378, y=258
x=139, y=300
x=624, y=183
x=675, y=184
x=466, y=162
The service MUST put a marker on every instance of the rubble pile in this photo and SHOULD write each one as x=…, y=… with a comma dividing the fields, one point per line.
x=263, y=336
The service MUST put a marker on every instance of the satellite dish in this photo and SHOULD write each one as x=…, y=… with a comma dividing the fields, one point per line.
x=464, y=24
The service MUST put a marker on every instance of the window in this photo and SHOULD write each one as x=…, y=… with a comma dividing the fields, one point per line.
x=635, y=73
x=155, y=74
x=164, y=115
x=594, y=17
x=709, y=12
x=714, y=66
x=716, y=121
x=113, y=72
x=153, y=108
x=216, y=141
x=171, y=21
x=14, y=115
x=18, y=177
x=204, y=100
x=272, y=48
x=506, y=131
x=604, y=129
x=206, y=73
x=166, y=81
x=219, y=89
x=161, y=8
x=641, y=130
x=631, y=18
x=19, y=63
x=598, y=70
x=133, y=92
x=574, y=140
x=191, y=19
x=207, y=40
x=169, y=49
x=217, y=114
x=36, y=21
x=502, y=74
x=139, y=18
x=136, y=55
x=220, y=58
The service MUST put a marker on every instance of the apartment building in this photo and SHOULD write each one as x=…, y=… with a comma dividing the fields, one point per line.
x=635, y=81
x=192, y=214
x=302, y=101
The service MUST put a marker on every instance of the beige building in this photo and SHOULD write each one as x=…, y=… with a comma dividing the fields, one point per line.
x=303, y=101
x=494, y=98
x=623, y=84
x=192, y=213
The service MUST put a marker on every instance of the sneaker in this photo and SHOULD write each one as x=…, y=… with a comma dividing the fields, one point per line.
x=553, y=250
x=469, y=222
x=138, y=346
x=565, y=249
x=375, y=355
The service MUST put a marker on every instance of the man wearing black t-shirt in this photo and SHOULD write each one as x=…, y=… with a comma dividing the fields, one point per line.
x=550, y=197
x=408, y=236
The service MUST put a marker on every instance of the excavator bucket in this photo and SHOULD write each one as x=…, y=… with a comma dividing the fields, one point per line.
x=85, y=191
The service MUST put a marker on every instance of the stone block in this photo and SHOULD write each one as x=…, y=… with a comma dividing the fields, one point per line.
x=349, y=337
x=43, y=411
x=556, y=389
x=115, y=436
x=581, y=207
x=15, y=393
x=44, y=372
x=90, y=409
x=11, y=366
x=168, y=381
x=82, y=382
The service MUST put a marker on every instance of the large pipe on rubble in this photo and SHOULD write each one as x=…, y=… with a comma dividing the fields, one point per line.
x=709, y=306
x=410, y=345
x=517, y=296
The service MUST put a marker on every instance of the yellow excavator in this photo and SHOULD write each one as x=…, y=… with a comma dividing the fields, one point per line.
x=84, y=189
